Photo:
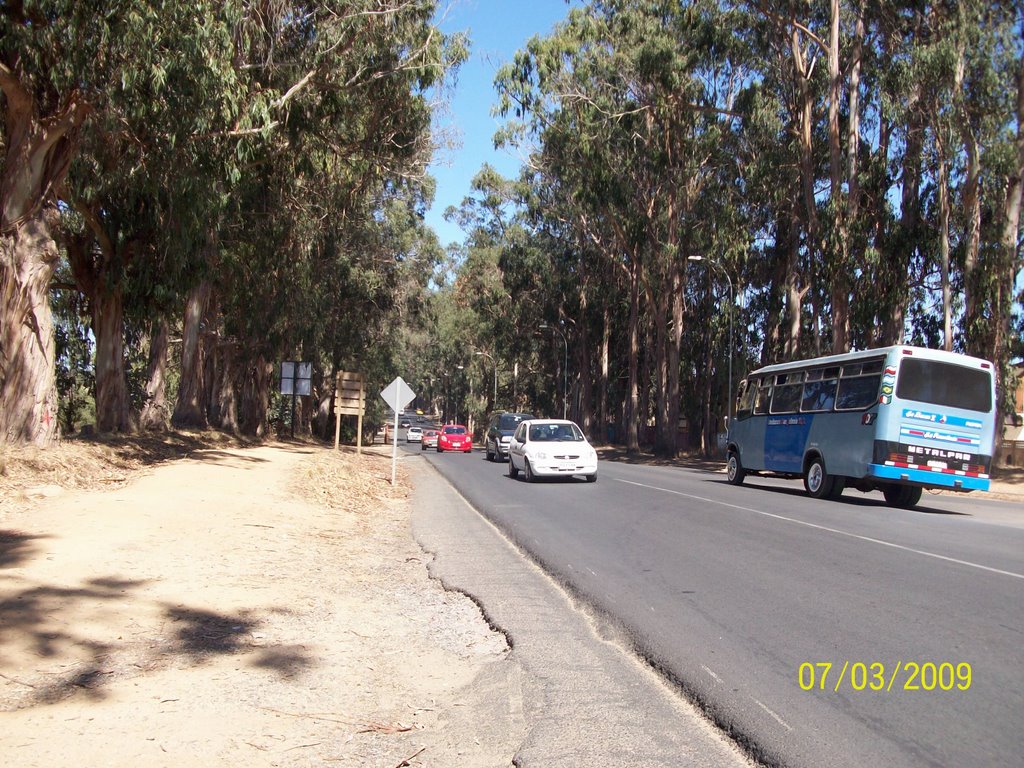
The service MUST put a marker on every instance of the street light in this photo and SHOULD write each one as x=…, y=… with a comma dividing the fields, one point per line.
x=732, y=301
x=565, y=367
x=495, y=364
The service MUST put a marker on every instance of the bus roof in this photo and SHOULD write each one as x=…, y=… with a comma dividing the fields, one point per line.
x=930, y=354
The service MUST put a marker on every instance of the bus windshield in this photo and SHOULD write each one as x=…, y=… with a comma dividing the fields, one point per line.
x=946, y=384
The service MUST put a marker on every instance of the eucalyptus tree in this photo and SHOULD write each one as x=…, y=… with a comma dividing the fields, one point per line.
x=630, y=101
x=347, y=112
x=142, y=184
x=63, y=66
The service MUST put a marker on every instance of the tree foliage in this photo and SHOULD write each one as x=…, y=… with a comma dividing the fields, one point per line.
x=847, y=172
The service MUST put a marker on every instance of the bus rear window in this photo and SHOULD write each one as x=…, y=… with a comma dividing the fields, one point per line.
x=953, y=386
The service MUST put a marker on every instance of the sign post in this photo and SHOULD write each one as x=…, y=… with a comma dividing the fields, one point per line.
x=397, y=394
x=296, y=379
x=349, y=400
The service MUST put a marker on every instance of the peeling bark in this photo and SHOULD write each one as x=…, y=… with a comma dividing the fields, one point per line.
x=28, y=393
x=154, y=416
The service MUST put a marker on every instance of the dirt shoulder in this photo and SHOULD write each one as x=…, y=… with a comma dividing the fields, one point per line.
x=215, y=604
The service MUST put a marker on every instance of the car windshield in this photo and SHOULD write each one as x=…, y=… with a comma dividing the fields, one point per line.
x=555, y=432
x=455, y=430
x=509, y=421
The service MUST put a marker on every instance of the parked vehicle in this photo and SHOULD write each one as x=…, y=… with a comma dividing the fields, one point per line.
x=551, y=447
x=499, y=433
x=429, y=439
x=414, y=435
x=454, y=437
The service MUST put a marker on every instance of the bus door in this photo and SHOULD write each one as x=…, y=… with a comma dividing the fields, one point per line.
x=786, y=429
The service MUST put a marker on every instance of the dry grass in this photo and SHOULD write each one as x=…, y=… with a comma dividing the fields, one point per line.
x=352, y=482
x=27, y=471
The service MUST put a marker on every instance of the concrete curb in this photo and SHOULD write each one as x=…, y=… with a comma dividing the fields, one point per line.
x=585, y=701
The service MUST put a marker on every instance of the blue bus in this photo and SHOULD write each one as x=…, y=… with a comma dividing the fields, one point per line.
x=896, y=419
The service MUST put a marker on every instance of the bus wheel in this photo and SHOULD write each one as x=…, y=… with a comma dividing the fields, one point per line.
x=905, y=496
x=817, y=482
x=734, y=469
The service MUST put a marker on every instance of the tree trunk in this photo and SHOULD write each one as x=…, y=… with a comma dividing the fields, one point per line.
x=973, y=293
x=28, y=393
x=606, y=336
x=223, y=373
x=39, y=150
x=584, y=366
x=674, y=354
x=838, y=252
x=112, y=413
x=254, y=396
x=633, y=399
x=190, y=410
x=894, y=278
x=947, y=296
x=660, y=303
x=794, y=292
x=154, y=411
x=1010, y=261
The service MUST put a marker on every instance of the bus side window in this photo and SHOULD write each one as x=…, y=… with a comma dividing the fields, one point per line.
x=745, y=399
x=857, y=392
x=764, y=396
x=788, y=388
x=786, y=398
x=819, y=395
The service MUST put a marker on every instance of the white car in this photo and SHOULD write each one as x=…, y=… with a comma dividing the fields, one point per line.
x=414, y=435
x=550, y=447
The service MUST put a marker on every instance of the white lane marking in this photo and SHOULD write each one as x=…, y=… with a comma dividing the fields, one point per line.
x=831, y=530
x=710, y=672
x=778, y=719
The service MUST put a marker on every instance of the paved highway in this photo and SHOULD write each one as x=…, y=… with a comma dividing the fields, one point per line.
x=733, y=593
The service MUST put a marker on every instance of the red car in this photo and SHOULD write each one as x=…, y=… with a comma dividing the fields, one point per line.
x=454, y=437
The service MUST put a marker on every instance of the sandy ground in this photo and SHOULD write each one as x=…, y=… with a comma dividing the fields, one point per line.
x=262, y=606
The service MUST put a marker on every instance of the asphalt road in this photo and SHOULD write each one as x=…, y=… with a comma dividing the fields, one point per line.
x=733, y=593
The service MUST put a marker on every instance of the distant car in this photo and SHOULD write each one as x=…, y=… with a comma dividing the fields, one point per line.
x=403, y=423
x=414, y=435
x=499, y=433
x=429, y=439
x=454, y=437
x=551, y=447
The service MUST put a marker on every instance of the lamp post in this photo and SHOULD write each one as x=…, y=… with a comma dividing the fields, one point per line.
x=732, y=301
x=461, y=394
x=565, y=367
x=495, y=364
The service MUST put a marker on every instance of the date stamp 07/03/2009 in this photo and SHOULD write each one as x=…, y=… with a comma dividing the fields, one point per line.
x=878, y=676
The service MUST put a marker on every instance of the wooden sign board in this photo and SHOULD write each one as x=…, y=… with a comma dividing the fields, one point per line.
x=349, y=400
x=350, y=394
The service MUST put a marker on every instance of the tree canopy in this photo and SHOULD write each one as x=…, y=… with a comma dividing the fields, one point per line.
x=193, y=192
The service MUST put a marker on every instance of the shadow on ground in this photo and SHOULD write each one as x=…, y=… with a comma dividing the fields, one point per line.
x=47, y=623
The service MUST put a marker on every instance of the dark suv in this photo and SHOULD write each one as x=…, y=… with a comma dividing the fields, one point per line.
x=499, y=432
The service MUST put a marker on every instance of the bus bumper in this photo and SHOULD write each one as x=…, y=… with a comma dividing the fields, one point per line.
x=928, y=478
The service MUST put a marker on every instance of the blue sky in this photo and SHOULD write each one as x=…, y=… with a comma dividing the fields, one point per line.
x=497, y=29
